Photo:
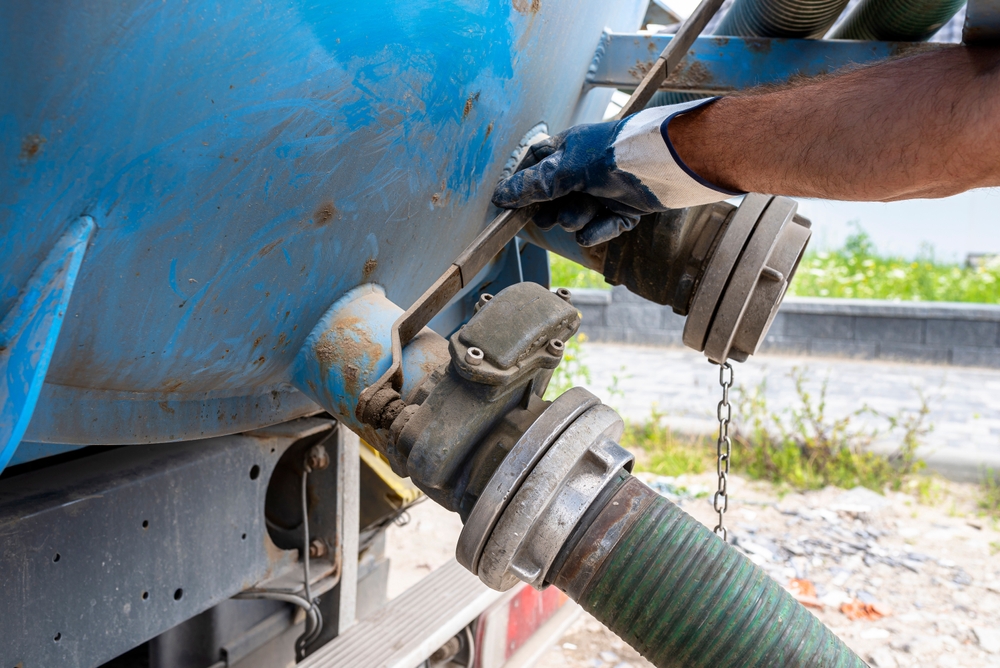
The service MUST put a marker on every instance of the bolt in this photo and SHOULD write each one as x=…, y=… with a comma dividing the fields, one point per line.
x=317, y=549
x=317, y=458
x=771, y=274
x=483, y=299
x=564, y=294
x=474, y=356
x=555, y=347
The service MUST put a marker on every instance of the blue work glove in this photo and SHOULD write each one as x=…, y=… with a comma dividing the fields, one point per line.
x=596, y=179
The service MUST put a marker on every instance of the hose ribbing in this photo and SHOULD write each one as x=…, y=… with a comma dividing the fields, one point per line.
x=897, y=20
x=682, y=597
x=780, y=18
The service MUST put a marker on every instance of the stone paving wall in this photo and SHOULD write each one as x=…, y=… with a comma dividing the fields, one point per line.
x=955, y=334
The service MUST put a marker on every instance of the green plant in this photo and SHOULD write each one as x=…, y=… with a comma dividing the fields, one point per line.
x=668, y=454
x=568, y=274
x=804, y=447
x=989, y=493
x=928, y=489
x=572, y=370
x=858, y=271
x=855, y=271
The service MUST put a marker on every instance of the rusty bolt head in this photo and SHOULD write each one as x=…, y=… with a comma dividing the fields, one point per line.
x=317, y=549
x=317, y=458
x=474, y=356
x=555, y=347
x=564, y=294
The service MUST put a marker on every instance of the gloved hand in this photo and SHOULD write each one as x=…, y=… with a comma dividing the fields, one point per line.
x=598, y=178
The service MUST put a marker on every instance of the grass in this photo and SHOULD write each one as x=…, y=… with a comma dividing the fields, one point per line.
x=667, y=453
x=572, y=370
x=800, y=447
x=855, y=271
x=803, y=447
x=858, y=271
x=568, y=274
x=989, y=499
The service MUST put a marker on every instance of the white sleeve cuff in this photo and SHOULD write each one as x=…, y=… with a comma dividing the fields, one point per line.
x=643, y=149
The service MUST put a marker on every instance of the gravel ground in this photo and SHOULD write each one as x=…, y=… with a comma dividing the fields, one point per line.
x=931, y=569
x=934, y=570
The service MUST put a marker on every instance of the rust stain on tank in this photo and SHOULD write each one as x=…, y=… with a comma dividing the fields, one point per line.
x=441, y=199
x=165, y=407
x=268, y=248
x=472, y=99
x=171, y=384
x=31, y=146
x=527, y=6
x=348, y=345
x=324, y=214
x=371, y=264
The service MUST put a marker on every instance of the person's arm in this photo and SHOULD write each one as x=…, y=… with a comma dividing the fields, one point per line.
x=927, y=125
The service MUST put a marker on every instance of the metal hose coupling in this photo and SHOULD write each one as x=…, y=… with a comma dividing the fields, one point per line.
x=562, y=508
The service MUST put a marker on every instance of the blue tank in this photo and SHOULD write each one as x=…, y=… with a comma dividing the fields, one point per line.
x=187, y=187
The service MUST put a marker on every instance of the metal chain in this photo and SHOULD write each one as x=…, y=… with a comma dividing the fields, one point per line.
x=724, y=449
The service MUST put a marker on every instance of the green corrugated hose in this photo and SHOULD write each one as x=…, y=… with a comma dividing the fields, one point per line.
x=897, y=20
x=682, y=597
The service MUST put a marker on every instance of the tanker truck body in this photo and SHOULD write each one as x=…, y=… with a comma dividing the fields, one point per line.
x=236, y=237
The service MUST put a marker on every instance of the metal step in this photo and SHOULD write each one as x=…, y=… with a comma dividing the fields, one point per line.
x=408, y=629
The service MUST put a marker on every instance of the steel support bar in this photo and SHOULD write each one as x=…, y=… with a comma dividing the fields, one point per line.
x=101, y=554
x=720, y=65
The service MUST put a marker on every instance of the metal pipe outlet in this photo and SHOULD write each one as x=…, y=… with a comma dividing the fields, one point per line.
x=351, y=347
x=563, y=509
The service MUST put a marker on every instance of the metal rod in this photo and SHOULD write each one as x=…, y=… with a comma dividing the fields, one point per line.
x=490, y=241
x=670, y=57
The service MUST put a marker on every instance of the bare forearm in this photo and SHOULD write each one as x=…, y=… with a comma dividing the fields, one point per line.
x=923, y=126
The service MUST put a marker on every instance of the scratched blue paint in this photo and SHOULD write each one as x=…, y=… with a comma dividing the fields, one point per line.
x=29, y=331
x=237, y=157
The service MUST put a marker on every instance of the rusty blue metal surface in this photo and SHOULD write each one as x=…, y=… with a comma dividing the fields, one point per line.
x=247, y=164
x=719, y=65
x=351, y=347
x=29, y=332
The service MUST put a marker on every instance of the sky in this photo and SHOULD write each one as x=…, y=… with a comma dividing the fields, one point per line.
x=953, y=226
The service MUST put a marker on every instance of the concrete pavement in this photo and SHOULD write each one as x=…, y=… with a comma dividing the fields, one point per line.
x=964, y=401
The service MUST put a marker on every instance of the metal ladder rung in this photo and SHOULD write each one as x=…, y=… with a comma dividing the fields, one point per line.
x=408, y=629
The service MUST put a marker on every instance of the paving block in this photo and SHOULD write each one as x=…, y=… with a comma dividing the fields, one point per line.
x=974, y=356
x=806, y=325
x=895, y=330
x=784, y=345
x=910, y=352
x=653, y=337
x=970, y=333
x=862, y=350
x=632, y=316
x=592, y=314
x=672, y=321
